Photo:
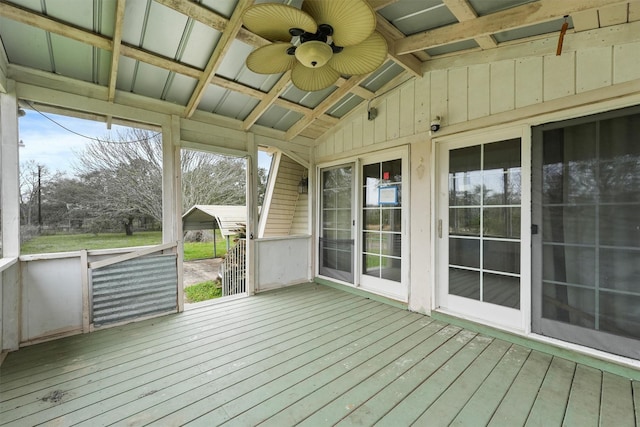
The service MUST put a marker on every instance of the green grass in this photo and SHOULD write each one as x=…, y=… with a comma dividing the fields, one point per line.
x=76, y=242
x=202, y=292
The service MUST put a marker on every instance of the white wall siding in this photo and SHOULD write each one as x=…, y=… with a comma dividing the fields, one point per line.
x=285, y=199
x=591, y=60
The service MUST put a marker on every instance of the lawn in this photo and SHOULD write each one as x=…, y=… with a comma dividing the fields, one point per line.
x=75, y=242
x=202, y=291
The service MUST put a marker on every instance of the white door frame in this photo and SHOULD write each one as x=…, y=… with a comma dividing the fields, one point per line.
x=395, y=290
x=494, y=315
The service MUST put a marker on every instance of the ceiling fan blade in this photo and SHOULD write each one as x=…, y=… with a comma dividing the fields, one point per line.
x=312, y=79
x=273, y=21
x=352, y=20
x=362, y=58
x=271, y=59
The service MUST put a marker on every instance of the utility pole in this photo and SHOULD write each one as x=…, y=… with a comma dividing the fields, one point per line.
x=39, y=199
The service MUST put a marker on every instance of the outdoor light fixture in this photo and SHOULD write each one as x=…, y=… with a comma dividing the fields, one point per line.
x=21, y=112
x=303, y=185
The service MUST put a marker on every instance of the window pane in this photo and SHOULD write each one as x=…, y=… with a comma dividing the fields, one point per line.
x=464, y=221
x=501, y=290
x=619, y=314
x=620, y=270
x=392, y=170
x=569, y=305
x=371, y=242
x=391, y=269
x=392, y=220
x=501, y=222
x=465, y=176
x=620, y=225
x=620, y=159
x=501, y=256
x=371, y=219
x=569, y=264
x=464, y=283
x=464, y=252
x=569, y=224
x=569, y=164
x=391, y=244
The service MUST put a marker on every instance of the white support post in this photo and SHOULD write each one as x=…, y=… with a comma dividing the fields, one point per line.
x=10, y=192
x=172, y=196
x=252, y=212
x=312, y=206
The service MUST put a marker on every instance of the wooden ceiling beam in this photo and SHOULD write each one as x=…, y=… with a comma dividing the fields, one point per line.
x=509, y=19
x=267, y=100
x=210, y=18
x=55, y=26
x=391, y=34
x=324, y=106
x=223, y=46
x=115, y=54
x=380, y=4
x=463, y=11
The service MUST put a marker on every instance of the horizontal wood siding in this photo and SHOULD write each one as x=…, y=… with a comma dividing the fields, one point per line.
x=591, y=60
x=285, y=200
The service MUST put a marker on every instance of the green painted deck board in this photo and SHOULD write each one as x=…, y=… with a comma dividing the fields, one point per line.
x=310, y=355
x=551, y=402
x=110, y=394
x=617, y=401
x=379, y=405
x=481, y=406
x=213, y=393
x=295, y=403
x=514, y=408
x=583, y=408
x=450, y=403
x=101, y=373
x=411, y=408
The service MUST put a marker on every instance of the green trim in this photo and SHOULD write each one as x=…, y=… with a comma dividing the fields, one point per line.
x=361, y=293
x=554, y=350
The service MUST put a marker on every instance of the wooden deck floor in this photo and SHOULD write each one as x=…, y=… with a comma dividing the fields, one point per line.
x=308, y=355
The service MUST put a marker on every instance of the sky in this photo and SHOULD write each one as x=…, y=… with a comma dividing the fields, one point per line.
x=48, y=144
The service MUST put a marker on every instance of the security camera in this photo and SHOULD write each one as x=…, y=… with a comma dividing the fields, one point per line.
x=435, y=124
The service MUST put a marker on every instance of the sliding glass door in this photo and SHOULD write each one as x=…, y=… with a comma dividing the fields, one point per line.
x=336, y=223
x=586, y=255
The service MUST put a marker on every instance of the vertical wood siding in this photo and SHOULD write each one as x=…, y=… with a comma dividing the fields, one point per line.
x=464, y=93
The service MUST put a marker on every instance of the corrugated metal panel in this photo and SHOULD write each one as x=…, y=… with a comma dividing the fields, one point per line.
x=134, y=288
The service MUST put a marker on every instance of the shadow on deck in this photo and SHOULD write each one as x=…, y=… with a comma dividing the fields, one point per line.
x=311, y=355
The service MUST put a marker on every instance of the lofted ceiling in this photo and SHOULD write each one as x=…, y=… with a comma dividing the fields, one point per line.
x=192, y=53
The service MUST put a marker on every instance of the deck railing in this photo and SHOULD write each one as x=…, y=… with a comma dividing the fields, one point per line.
x=234, y=269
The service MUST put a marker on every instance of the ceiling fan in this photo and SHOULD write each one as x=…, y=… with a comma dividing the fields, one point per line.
x=318, y=43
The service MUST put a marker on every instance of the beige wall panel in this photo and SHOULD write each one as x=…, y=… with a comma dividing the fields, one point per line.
x=593, y=68
x=407, y=109
x=422, y=103
x=328, y=148
x=613, y=15
x=338, y=141
x=368, y=129
x=457, y=94
x=357, y=131
x=439, y=101
x=380, y=124
x=321, y=149
x=528, y=81
x=393, y=115
x=634, y=11
x=347, y=136
x=585, y=20
x=503, y=92
x=420, y=227
x=559, y=76
x=479, y=96
x=626, y=62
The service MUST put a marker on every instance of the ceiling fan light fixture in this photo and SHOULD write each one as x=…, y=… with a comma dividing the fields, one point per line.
x=314, y=54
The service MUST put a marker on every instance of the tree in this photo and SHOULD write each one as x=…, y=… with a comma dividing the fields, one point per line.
x=123, y=178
